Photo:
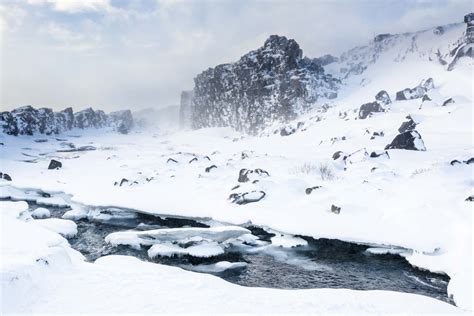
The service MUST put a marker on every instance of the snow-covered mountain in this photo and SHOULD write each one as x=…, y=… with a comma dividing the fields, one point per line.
x=27, y=120
x=276, y=83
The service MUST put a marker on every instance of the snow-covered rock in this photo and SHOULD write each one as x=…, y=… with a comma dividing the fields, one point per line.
x=271, y=83
x=410, y=140
x=27, y=120
x=41, y=212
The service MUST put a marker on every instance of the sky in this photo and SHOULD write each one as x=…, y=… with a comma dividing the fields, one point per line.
x=134, y=54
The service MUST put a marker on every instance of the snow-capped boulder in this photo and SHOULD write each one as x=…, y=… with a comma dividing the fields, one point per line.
x=417, y=92
x=41, y=212
x=269, y=84
x=410, y=140
x=383, y=98
x=54, y=164
x=381, y=103
x=246, y=175
x=368, y=108
x=247, y=197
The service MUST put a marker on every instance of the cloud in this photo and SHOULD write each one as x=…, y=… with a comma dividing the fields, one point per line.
x=73, y=6
x=139, y=53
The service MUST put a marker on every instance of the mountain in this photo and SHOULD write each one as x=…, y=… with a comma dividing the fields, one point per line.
x=275, y=83
x=27, y=120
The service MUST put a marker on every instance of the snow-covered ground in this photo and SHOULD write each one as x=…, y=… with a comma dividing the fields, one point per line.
x=414, y=199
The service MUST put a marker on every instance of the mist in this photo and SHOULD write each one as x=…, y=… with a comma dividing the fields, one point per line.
x=139, y=54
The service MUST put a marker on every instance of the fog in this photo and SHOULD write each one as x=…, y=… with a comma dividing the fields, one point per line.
x=118, y=54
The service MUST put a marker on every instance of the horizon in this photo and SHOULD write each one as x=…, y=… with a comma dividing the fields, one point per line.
x=114, y=55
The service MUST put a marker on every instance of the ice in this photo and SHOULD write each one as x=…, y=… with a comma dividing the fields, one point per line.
x=64, y=227
x=151, y=237
x=288, y=241
x=41, y=212
x=220, y=266
x=202, y=250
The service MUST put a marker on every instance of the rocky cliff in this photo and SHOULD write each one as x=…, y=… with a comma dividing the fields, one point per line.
x=272, y=83
x=27, y=120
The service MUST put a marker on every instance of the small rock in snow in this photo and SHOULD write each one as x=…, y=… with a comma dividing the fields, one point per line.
x=335, y=209
x=54, y=164
x=208, y=169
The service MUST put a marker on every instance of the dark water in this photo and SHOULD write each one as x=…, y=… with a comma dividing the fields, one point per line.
x=323, y=263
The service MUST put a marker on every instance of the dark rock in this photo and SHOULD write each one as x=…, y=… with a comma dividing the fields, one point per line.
x=244, y=174
x=40, y=140
x=378, y=154
x=309, y=190
x=27, y=120
x=286, y=131
x=247, y=197
x=208, y=169
x=469, y=161
x=425, y=98
x=335, y=209
x=193, y=160
x=54, y=164
x=123, y=181
x=455, y=162
x=407, y=125
x=469, y=198
x=381, y=37
x=410, y=140
x=383, y=98
x=417, y=92
x=271, y=83
x=5, y=176
x=171, y=160
x=339, y=154
x=368, y=109
x=448, y=101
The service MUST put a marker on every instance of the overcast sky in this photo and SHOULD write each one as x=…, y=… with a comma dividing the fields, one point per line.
x=116, y=54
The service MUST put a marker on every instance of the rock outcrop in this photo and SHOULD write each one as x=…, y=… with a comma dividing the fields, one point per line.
x=417, y=92
x=27, y=120
x=272, y=83
x=381, y=104
x=410, y=140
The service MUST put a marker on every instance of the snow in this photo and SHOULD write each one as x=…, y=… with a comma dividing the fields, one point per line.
x=288, y=241
x=203, y=250
x=415, y=200
x=217, y=267
x=41, y=212
x=64, y=227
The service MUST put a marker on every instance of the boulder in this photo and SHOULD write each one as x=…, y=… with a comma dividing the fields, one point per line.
x=247, y=197
x=208, y=169
x=245, y=174
x=410, y=140
x=54, y=164
x=335, y=209
x=417, y=92
x=383, y=98
x=408, y=125
x=5, y=176
x=311, y=189
x=368, y=109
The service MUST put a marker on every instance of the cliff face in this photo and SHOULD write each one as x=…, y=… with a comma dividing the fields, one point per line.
x=272, y=83
x=27, y=120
